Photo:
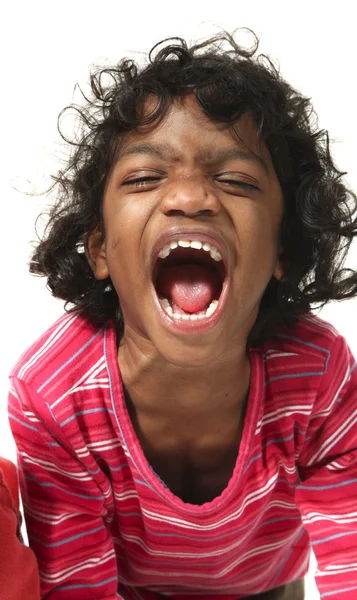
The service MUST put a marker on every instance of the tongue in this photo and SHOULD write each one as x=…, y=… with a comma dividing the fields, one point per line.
x=192, y=287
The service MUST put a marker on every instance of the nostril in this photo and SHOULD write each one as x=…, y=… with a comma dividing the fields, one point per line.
x=175, y=213
x=206, y=212
x=190, y=213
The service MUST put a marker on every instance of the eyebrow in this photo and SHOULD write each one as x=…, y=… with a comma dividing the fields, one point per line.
x=219, y=155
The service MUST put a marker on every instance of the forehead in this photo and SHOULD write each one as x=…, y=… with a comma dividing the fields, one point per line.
x=185, y=129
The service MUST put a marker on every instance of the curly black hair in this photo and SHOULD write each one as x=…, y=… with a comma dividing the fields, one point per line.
x=228, y=81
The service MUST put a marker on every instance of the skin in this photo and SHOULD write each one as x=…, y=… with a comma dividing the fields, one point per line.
x=186, y=393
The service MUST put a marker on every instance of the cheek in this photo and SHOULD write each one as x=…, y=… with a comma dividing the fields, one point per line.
x=125, y=263
x=122, y=260
x=122, y=232
x=125, y=220
x=258, y=233
x=257, y=253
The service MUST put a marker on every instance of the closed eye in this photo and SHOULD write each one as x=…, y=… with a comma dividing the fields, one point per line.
x=141, y=181
x=239, y=184
x=148, y=180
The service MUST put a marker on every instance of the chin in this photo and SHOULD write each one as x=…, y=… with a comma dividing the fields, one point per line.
x=186, y=354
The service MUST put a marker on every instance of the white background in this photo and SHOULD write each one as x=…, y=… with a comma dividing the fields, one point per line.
x=47, y=47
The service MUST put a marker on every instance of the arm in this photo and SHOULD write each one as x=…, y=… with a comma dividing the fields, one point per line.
x=327, y=496
x=18, y=568
x=66, y=499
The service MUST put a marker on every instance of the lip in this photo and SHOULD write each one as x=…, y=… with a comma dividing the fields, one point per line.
x=204, y=235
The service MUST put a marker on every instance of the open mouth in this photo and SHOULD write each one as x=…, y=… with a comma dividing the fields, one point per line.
x=189, y=278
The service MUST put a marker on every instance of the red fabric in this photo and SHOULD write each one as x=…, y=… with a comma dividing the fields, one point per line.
x=9, y=473
x=19, y=578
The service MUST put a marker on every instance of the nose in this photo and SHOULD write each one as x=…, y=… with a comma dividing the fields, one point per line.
x=190, y=197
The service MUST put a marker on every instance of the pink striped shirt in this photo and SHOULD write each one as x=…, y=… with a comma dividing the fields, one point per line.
x=104, y=526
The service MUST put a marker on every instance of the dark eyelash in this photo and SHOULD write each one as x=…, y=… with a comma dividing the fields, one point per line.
x=242, y=184
x=140, y=181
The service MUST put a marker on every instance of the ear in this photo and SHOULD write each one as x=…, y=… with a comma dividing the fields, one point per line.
x=96, y=254
x=278, y=271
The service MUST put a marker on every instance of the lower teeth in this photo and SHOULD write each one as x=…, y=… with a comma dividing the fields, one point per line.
x=187, y=317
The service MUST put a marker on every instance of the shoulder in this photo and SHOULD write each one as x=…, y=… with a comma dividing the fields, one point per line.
x=64, y=353
x=311, y=340
x=62, y=382
x=307, y=354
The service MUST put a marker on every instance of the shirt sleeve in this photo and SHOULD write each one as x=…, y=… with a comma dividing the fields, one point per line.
x=66, y=505
x=327, y=495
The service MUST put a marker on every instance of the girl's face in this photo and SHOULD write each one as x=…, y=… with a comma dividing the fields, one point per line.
x=191, y=225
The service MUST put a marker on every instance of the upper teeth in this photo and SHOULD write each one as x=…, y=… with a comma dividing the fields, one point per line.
x=196, y=244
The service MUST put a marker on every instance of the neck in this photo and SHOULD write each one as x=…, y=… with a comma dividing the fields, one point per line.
x=158, y=387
